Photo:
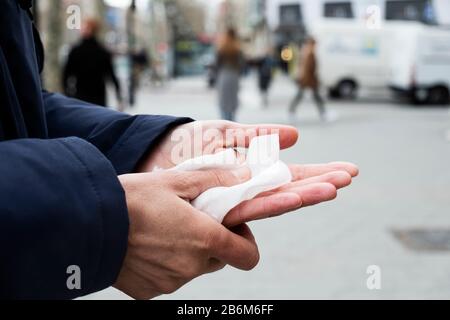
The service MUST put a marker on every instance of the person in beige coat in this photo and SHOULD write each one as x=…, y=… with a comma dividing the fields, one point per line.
x=308, y=79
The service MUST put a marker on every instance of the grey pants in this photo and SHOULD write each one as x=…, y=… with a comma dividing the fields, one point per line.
x=228, y=115
x=317, y=98
x=228, y=87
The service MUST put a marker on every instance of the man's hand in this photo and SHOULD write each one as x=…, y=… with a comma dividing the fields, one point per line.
x=171, y=243
x=200, y=135
x=312, y=184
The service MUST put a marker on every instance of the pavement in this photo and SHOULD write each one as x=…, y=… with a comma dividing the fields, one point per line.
x=324, y=252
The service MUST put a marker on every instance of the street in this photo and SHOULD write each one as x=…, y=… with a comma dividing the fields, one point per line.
x=324, y=252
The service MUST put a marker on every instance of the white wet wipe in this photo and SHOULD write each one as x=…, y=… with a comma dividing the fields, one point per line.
x=268, y=172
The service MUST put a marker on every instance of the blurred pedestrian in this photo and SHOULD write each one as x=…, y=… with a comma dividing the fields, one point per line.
x=265, y=74
x=139, y=62
x=308, y=79
x=89, y=67
x=229, y=65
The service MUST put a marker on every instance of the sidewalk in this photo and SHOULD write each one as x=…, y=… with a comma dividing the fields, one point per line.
x=324, y=252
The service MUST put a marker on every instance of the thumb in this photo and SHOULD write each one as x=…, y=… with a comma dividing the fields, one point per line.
x=236, y=247
x=190, y=185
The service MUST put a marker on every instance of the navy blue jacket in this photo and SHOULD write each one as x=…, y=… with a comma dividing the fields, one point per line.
x=61, y=203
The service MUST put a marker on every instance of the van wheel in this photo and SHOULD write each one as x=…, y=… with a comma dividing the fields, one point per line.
x=438, y=95
x=333, y=93
x=419, y=97
x=347, y=89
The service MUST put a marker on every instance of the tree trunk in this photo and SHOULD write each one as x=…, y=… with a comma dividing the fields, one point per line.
x=54, y=30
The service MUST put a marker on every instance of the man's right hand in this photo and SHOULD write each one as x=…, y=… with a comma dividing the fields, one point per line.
x=170, y=242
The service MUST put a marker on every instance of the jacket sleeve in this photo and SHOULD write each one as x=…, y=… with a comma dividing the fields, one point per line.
x=61, y=205
x=122, y=138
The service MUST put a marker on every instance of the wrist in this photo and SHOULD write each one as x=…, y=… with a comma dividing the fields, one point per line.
x=159, y=156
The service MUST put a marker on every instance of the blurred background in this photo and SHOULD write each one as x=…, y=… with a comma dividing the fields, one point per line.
x=376, y=78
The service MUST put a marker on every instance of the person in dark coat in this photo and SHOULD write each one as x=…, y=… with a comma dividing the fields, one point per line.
x=89, y=67
x=81, y=208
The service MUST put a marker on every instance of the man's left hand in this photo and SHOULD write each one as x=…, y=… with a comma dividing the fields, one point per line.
x=312, y=184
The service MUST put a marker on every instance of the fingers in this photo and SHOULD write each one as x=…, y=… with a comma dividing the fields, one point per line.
x=236, y=247
x=340, y=179
x=300, y=172
x=316, y=193
x=288, y=198
x=189, y=185
x=280, y=203
x=238, y=135
x=262, y=208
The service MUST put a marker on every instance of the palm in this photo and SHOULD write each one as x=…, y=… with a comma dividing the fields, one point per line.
x=312, y=184
x=228, y=134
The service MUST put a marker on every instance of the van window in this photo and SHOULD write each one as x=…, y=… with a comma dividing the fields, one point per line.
x=338, y=10
x=411, y=10
x=291, y=15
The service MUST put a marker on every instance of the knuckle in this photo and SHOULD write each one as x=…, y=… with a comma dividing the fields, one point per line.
x=215, y=177
x=169, y=287
x=221, y=178
x=211, y=240
x=253, y=260
x=208, y=241
x=190, y=272
x=192, y=265
x=179, y=179
x=185, y=183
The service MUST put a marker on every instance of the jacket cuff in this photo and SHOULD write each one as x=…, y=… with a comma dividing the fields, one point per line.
x=140, y=139
x=113, y=219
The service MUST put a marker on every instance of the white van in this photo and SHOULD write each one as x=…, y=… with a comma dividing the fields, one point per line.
x=420, y=64
x=351, y=56
x=357, y=51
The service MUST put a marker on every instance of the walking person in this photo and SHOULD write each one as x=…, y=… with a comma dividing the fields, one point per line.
x=308, y=79
x=229, y=63
x=265, y=74
x=88, y=68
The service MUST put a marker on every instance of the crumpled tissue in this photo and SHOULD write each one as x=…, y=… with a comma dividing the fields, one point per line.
x=268, y=172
